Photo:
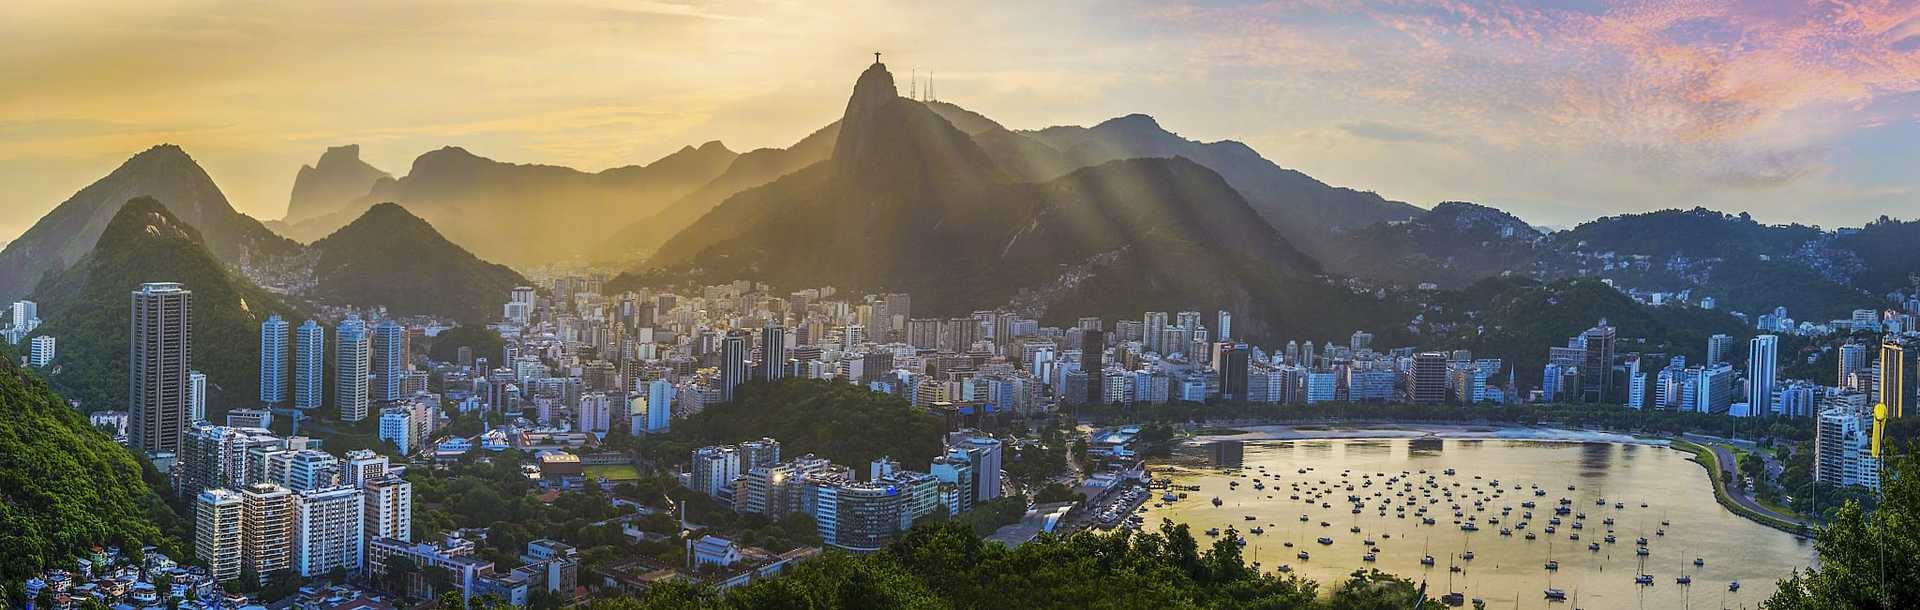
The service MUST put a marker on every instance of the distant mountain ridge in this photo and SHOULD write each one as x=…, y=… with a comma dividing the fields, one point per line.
x=529, y=214
x=330, y=184
x=750, y=169
x=165, y=172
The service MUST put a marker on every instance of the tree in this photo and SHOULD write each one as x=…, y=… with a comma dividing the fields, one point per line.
x=1867, y=560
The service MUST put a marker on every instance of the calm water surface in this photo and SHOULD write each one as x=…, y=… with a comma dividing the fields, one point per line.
x=1505, y=569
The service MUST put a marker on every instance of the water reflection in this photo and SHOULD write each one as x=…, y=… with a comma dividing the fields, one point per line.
x=1507, y=568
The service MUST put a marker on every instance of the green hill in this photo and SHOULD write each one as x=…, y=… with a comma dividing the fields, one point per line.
x=87, y=310
x=64, y=486
x=391, y=257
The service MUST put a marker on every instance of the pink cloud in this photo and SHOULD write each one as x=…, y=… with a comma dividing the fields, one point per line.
x=1732, y=81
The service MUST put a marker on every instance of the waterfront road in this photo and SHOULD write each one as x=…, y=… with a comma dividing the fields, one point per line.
x=1738, y=491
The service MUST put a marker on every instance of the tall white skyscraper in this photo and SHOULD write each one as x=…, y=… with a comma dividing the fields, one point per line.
x=773, y=352
x=196, y=397
x=273, y=360
x=1224, y=326
x=26, y=315
x=1763, y=368
x=659, y=405
x=733, y=364
x=310, y=366
x=352, y=358
x=160, y=356
x=389, y=361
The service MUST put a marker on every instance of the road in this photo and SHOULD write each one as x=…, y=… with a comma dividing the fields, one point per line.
x=1738, y=491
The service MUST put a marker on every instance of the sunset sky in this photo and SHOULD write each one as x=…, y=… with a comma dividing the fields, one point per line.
x=1555, y=110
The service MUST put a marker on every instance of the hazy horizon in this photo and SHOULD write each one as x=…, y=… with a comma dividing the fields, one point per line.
x=1555, y=111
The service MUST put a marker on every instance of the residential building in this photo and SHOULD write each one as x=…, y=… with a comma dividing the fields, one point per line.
x=327, y=531
x=160, y=359
x=40, y=351
x=218, y=518
x=388, y=503
x=309, y=362
x=267, y=533
x=273, y=360
x=1892, y=379
x=1763, y=369
x=352, y=350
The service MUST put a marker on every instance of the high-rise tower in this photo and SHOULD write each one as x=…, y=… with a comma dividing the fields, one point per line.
x=159, y=361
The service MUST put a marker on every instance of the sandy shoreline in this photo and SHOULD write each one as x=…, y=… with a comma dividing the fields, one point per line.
x=1418, y=431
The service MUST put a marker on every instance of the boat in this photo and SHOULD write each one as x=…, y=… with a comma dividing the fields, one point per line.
x=1453, y=599
x=1697, y=562
x=1531, y=536
x=1216, y=501
x=1367, y=557
x=1733, y=586
x=1641, y=551
x=1168, y=497
x=1427, y=560
x=1213, y=531
x=1593, y=546
x=1643, y=579
x=1302, y=555
x=1325, y=540
x=1250, y=517
x=1683, y=580
x=1258, y=530
x=1556, y=595
x=1553, y=565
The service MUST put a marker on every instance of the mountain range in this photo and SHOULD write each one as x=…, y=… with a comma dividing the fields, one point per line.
x=523, y=214
x=910, y=201
x=58, y=240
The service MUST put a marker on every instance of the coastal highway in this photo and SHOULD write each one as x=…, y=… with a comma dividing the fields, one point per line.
x=1738, y=491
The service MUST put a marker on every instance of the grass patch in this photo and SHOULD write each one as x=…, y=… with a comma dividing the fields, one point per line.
x=612, y=472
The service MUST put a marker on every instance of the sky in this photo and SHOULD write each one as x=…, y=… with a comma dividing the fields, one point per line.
x=1556, y=110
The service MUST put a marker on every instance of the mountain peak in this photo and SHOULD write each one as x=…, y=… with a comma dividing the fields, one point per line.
x=1131, y=121
x=346, y=153
x=331, y=184
x=146, y=216
x=389, y=210
x=874, y=89
x=162, y=151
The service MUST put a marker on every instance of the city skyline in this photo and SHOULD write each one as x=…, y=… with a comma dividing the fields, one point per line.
x=1792, y=113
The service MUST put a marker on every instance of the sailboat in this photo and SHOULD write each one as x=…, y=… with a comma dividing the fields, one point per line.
x=1452, y=598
